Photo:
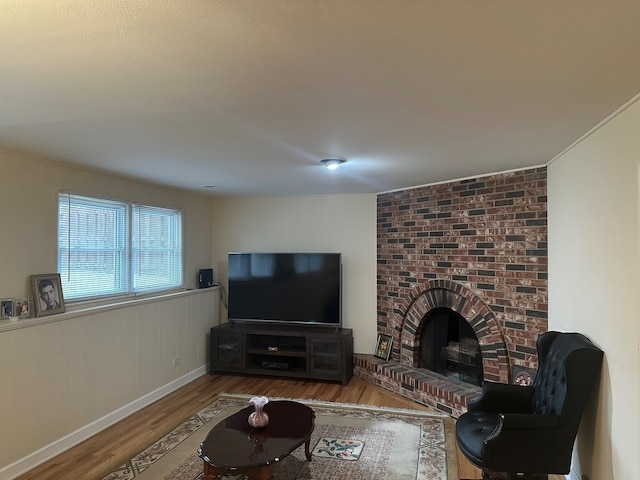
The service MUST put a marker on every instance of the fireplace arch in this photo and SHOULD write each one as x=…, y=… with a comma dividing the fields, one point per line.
x=446, y=293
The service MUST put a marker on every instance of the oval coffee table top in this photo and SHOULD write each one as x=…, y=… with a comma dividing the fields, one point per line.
x=234, y=444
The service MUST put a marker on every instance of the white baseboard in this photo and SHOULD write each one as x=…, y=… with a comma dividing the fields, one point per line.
x=56, y=448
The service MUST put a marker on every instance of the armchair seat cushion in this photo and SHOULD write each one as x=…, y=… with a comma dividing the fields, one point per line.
x=472, y=432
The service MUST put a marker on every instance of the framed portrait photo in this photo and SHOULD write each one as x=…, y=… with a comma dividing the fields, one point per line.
x=383, y=347
x=47, y=294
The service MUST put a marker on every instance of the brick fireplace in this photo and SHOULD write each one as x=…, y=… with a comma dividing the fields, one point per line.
x=477, y=247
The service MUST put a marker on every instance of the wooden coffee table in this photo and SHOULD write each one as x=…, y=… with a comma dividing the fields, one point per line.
x=233, y=446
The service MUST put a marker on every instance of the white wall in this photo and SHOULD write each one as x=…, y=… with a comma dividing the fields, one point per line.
x=594, y=285
x=59, y=374
x=29, y=216
x=327, y=223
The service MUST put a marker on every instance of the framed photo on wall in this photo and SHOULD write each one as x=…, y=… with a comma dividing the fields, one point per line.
x=383, y=346
x=47, y=294
x=22, y=307
x=6, y=308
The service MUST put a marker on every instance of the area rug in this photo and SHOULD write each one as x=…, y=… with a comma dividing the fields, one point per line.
x=349, y=441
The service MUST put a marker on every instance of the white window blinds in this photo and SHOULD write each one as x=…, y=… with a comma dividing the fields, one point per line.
x=108, y=247
x=156, y=248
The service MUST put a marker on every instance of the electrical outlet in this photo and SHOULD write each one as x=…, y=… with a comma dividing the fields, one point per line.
x=176, y=361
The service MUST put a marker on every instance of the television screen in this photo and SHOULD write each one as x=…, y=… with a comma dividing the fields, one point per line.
x=285, y=287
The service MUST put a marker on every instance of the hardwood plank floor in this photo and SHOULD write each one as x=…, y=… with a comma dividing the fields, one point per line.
x=100, y=454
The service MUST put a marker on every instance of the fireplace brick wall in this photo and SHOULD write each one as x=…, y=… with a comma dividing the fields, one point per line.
x=487, y=234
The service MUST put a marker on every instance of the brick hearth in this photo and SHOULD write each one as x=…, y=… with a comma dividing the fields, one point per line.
x=441, y=393
x=480, y=243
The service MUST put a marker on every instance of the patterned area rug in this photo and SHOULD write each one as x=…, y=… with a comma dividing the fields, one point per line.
x=351, y=441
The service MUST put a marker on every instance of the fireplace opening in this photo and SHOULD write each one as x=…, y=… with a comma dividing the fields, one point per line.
x=449, y=346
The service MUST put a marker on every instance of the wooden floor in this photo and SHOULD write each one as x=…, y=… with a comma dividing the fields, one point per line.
x=99, y=455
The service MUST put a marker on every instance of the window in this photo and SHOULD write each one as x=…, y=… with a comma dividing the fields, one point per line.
x=108, y=247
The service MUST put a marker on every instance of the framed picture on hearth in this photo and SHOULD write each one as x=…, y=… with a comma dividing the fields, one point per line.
x=383, y=346
x=523, y=376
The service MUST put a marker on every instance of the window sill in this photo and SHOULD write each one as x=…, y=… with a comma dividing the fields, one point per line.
x=15, y=323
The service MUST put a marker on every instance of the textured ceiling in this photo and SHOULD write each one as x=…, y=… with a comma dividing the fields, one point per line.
x=250, y=95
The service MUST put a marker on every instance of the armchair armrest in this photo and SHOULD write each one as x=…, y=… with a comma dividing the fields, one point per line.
x=528, y=421
x=539, y=437
x=503, y=398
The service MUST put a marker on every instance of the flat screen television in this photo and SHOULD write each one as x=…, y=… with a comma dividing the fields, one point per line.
x=303, y=288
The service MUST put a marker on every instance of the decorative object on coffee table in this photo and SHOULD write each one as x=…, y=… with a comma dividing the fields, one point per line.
x=259, y=417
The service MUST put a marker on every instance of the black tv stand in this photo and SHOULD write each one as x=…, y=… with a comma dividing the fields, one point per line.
x=283, y=350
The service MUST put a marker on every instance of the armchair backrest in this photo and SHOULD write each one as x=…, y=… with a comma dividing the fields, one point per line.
x=568, y=366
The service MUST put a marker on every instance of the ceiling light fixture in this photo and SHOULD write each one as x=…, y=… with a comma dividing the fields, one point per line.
x=332, y=163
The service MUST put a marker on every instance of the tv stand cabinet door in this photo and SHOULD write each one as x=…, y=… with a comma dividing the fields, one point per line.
x=227, y=351
x=326, y=358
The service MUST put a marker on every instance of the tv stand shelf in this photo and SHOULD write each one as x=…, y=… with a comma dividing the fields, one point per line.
x=320, y=353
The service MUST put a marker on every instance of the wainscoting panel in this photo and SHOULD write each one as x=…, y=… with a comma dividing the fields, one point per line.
x=65, y=379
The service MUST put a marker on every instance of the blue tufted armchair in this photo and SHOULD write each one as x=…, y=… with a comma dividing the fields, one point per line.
x=530, y=430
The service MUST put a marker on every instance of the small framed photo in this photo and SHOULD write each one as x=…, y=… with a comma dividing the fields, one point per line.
x=383, y=346
x=6, y=308
x=47, y=293
x=523, y=376
x=22, y=307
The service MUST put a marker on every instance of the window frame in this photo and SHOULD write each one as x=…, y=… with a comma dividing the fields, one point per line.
x=127, y=269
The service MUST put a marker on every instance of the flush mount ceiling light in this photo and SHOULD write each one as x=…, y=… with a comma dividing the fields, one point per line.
x=332, y=163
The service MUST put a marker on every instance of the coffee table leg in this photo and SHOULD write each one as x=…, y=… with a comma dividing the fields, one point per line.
x=306, y=449
x=254, y=473
x=262, y=472
x=210, y=473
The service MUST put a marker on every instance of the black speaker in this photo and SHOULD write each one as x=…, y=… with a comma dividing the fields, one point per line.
x=205, y=278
